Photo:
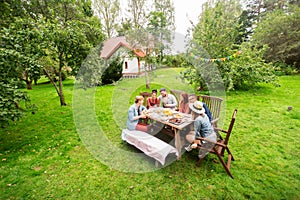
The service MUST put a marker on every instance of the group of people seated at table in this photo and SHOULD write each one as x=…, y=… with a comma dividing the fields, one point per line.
x=201, y=115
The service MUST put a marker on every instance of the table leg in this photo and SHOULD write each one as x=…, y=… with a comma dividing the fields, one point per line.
x=178, y=143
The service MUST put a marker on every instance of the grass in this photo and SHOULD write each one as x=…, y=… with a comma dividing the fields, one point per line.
x=43, y=155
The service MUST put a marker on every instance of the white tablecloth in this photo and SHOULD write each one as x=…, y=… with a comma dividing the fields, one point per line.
x=149, y=144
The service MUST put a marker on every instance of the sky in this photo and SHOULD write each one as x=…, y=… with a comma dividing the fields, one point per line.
x=185, y=10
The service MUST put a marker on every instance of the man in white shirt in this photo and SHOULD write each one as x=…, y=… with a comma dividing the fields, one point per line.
x=167, y=100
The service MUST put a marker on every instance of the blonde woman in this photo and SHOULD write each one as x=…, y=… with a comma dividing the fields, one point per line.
x=136, y=112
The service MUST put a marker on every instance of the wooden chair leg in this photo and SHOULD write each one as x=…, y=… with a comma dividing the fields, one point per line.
x=229, y=153
x=199, y=162
x=226, y=166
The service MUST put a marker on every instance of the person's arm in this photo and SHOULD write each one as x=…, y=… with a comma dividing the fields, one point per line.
x=160, y=101
x=157, y=102
x=197, y=128
x=148, y=102
x=173, y=103
x=207, y=112
x=132, y=117
x=181, y=109
x=187, y=108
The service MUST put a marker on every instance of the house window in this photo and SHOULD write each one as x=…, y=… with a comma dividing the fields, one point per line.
x=126, y=65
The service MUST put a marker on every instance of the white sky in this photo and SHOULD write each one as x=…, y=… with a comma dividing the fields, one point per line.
x=186, y=10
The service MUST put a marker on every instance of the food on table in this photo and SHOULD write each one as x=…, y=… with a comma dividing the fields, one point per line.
x=178, y=116
x=175, y=121
x=167, y=112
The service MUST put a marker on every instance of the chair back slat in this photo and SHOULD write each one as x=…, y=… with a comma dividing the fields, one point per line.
x=214, y=105
x=145, y=95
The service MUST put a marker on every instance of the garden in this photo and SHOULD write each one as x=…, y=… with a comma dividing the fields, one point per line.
x=42, y=155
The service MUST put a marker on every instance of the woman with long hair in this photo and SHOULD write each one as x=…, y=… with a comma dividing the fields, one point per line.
x=184, y=103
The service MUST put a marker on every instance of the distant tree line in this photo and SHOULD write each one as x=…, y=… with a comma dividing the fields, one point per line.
x=54, y=38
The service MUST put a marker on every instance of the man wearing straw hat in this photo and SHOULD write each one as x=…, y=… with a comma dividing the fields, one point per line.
x=202, y=128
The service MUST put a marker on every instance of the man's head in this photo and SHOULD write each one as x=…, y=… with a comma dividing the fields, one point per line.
x=192, y=98
x=163, y=92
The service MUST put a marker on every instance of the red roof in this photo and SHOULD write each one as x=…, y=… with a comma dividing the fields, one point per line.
x=111, y=45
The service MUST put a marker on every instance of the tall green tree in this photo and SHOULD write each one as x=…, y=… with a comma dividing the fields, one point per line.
x=24, y=38
x=161, y=23
x=279, y=30
x=167, y=8
x=218, y=27
x=137, y=13
x=215, y=36
x=68, y=31
x=109, y=14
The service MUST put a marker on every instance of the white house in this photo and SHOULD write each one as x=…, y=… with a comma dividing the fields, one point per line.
x=132, y=65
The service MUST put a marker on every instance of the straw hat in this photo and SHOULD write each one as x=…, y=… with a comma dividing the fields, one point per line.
x=197, y=107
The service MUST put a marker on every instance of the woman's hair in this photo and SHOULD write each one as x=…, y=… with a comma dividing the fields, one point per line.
x=185, y=97
x=138, y=98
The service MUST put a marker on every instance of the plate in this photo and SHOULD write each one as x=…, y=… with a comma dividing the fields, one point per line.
x=175, y=121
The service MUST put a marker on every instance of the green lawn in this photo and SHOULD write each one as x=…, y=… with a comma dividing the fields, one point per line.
x=44, y=156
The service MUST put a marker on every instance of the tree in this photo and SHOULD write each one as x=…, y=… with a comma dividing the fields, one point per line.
x=68, y=46
x=124, y=27
x=108, y=12
x=161, y=25
x=142, y=40
x=215, y=36
x=279, y=30
x=67, y=32
x=10, y=109
x=137, y=13
x=70, y=32
x=25, y=39
x=218, y=27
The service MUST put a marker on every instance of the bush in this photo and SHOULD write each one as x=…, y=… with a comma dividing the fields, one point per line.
x=113, y=72
x=284, y=69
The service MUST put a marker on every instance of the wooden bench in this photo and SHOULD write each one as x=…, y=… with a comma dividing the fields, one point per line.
x=150, y=145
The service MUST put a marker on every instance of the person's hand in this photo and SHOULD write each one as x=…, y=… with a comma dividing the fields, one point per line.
x=194, y=146
x=143, y=116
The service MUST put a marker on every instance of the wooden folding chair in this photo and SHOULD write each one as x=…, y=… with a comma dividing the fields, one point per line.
x=214, y=105
x=221, y=146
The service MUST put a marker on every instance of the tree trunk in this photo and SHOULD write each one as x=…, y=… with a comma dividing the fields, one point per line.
x=147, y=75
x=58, y=90
x=29, y=84
x=61, y=94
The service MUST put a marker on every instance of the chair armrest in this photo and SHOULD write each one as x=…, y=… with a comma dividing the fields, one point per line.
x=218, y=129
x=216, y=143
x=215, y=120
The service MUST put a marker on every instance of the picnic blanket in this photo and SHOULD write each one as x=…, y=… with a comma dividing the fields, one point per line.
x=149, y=144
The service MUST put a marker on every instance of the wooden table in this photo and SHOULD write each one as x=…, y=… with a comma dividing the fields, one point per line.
x=163, y=115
